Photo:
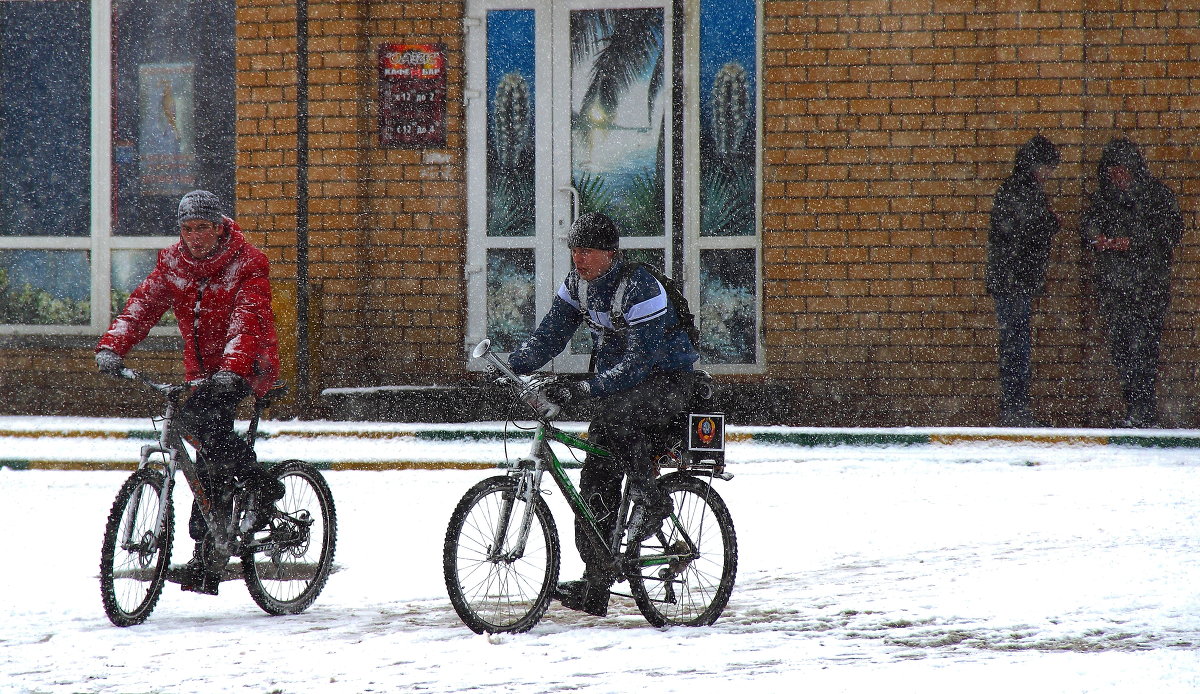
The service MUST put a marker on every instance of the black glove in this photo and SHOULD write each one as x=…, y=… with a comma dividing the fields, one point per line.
x=109, y=362
x=225, y=382
x=562, y=391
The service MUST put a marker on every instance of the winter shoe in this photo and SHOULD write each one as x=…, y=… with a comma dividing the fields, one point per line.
x=195, y=576
x=647, y=518
x=583, y=596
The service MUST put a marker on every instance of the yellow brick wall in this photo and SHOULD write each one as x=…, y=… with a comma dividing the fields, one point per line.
x=386, y=225
x=888, y=126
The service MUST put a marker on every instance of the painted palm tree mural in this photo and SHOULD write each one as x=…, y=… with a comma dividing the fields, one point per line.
x=617, y=116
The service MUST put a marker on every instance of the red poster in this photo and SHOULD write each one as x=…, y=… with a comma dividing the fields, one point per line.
x=412, y=95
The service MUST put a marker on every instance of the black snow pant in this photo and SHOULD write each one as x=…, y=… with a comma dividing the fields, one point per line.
x=206, y=419
x=635, y=425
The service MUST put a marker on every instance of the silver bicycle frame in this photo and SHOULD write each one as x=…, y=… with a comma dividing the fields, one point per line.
x=170, y=444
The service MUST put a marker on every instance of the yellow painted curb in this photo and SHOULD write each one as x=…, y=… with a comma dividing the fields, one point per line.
x=1070, y=440
x=78, y=434
x=413, y=465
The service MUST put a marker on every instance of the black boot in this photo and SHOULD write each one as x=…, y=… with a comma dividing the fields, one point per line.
x=583, y=596
x=651, y=509
x=195, y=576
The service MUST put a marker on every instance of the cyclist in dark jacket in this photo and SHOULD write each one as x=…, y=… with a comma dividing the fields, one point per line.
x=642, y=382
x=1132, y=225
x=1022, y=226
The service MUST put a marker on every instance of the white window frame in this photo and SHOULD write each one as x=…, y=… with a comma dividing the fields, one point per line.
x=100, y=242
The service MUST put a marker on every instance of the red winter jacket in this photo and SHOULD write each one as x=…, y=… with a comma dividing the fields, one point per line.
x=223, y=304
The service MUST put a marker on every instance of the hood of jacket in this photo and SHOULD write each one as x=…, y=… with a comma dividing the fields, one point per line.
x=1124, y=153
x=1039, y=151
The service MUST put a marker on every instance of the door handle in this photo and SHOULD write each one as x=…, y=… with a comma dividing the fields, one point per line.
x=574, y=202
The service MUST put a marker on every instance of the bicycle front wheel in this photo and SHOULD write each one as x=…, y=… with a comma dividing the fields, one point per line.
x=135, y=556
x=495, y=583
x=684, y=574
x=288, y=563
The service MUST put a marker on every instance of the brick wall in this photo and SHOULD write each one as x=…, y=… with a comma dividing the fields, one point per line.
x=386, y=225
x=888, y=126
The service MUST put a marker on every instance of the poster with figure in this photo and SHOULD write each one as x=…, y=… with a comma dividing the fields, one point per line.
x=166, y=132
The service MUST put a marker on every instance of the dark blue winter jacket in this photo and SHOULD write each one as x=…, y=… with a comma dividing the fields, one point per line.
x=644, y=339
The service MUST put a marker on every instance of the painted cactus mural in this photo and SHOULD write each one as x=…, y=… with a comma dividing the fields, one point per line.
x=730, y=110
x=728, y=65
x=511, y=121
x=510, y=134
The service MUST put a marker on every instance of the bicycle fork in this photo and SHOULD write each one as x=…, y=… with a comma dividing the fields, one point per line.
x=528, y=483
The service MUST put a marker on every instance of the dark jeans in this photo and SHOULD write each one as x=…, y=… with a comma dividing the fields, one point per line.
x=1134, y=336
x=206, y=419
x=635, y=425
x=1013, y=312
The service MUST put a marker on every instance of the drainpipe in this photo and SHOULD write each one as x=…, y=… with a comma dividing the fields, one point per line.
x=304, y=399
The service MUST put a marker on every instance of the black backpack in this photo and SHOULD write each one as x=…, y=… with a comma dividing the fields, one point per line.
x=687, y=320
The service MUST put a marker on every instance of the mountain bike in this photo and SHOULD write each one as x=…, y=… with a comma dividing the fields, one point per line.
x=501, y=553
x=285, y=564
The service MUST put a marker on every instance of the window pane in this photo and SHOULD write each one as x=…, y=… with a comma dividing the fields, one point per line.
x=44, y=287
x=44, y=119
x=727, y=310
x=618, y=117
x=173, y=122
x=728, y=46
x=510, y=157
x=129, y=268
x=510, y=300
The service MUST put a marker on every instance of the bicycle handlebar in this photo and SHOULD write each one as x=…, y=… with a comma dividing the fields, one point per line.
x=529, y=392
x=168, y=390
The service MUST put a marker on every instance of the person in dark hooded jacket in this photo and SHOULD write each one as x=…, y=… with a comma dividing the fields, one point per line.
x=1022, y=226
x=1133, y=224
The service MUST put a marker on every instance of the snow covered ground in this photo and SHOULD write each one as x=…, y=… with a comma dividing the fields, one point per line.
x=938, y=568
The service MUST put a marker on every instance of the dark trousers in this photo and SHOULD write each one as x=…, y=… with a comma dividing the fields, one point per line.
x=1015, y=347
x=635, y=425
x=1134, y=337
x=206, y=418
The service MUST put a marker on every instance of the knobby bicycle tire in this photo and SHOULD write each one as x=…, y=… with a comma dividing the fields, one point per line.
x=287, y=579
x=684, y=574
x=132, y=575
x=490, y=592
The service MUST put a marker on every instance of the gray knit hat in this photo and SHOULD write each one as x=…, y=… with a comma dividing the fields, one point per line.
x=199, y=204
x=594, y=230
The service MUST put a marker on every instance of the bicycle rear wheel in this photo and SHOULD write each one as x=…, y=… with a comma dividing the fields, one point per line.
x=493, y=585
x=134, y=558
x=684, y=574
x=288, y=563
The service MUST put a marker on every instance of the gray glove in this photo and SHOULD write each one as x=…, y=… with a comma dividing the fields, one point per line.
x=225, y=381
x=109, y=362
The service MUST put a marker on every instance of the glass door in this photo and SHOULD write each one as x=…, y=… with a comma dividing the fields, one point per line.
x=569, y=113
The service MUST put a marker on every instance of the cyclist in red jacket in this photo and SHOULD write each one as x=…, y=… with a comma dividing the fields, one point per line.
x=217, y=283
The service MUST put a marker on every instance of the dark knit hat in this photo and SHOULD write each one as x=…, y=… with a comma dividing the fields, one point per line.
x=199, y=204
x=594, y=230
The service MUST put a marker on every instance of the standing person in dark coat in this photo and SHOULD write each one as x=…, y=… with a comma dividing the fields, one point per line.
x=1022, y=226
x=1132, y=225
